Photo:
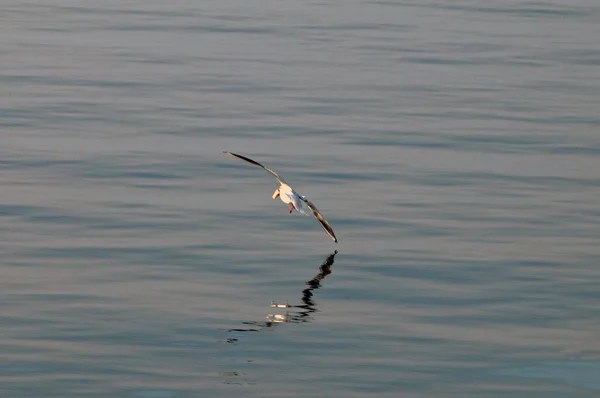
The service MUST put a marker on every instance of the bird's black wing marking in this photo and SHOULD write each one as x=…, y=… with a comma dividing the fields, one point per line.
x=320, y=218
x=254, y=162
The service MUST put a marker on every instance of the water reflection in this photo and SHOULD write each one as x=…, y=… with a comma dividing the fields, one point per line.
x=293, y=313
x=303, y=312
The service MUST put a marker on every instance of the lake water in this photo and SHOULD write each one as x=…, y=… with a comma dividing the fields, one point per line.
x=453, y=146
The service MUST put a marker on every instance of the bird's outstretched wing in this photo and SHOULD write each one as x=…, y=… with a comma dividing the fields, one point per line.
x=320, y=218
x=281, y=181
x=310, y=205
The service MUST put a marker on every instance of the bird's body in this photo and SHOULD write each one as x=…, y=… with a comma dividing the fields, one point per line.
x=291, y=197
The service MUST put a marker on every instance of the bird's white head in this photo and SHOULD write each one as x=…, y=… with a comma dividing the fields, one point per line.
x=276, y=194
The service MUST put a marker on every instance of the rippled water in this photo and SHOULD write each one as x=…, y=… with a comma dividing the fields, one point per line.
x=453, y=146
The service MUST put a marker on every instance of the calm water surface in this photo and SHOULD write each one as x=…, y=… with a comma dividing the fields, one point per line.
x=453, y=146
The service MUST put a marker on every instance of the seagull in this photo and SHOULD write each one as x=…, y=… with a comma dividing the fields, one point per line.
x=288, y=195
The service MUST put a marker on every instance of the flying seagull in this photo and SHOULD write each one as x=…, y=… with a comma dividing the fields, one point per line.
x=288, y=195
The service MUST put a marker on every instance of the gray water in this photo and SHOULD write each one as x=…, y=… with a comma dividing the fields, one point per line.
x=453, y=146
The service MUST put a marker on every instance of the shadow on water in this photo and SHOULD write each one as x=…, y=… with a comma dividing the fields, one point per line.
x=299, y=313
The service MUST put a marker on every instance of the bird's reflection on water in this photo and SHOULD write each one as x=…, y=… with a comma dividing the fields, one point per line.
x=302, y=312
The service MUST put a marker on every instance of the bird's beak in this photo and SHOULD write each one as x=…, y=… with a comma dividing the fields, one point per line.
x=276, y=194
